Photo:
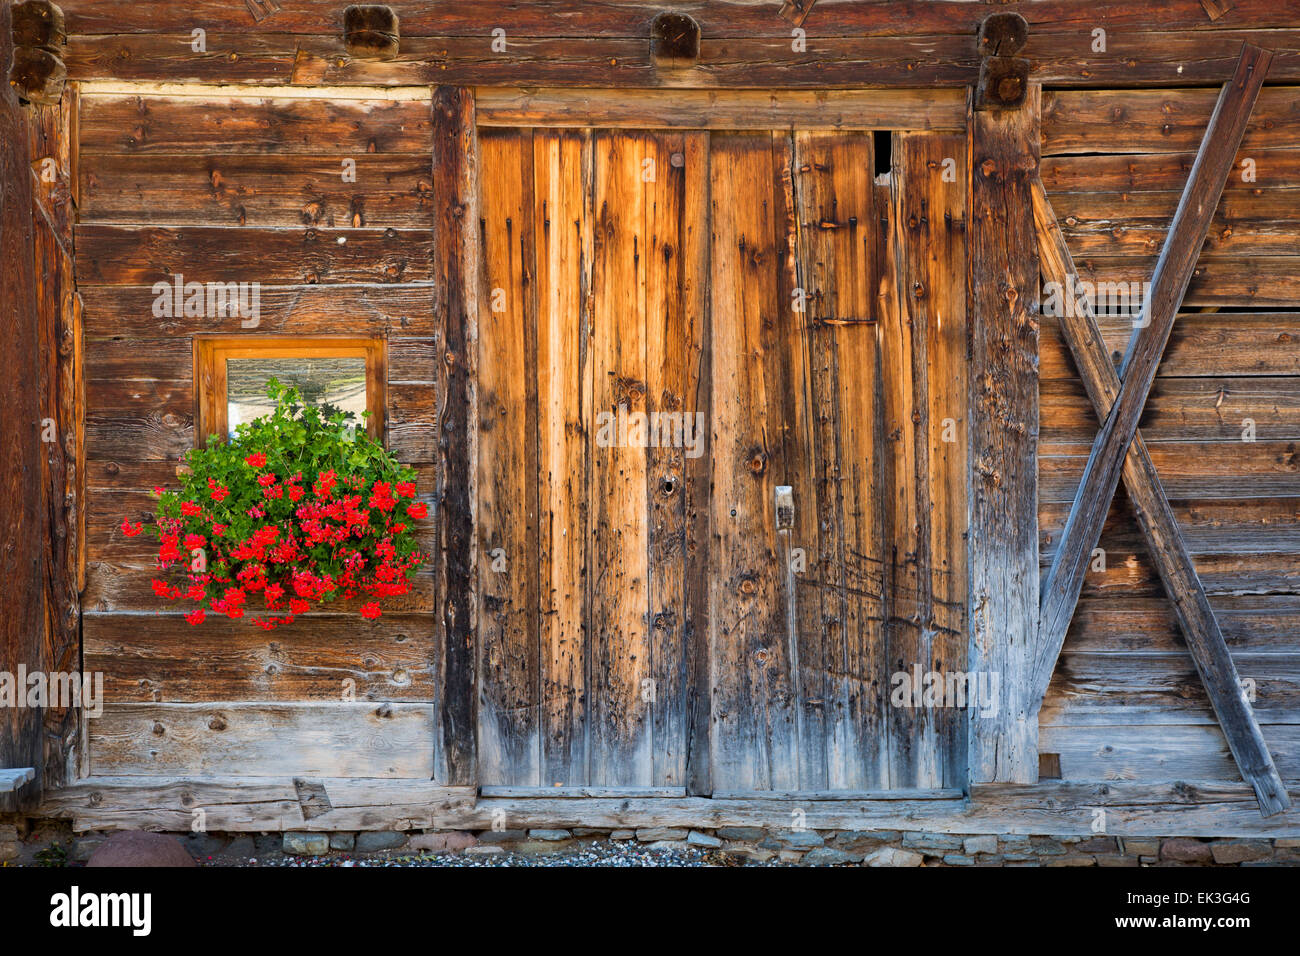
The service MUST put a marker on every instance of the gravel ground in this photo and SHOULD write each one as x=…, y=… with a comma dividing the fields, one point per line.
x=603, y=853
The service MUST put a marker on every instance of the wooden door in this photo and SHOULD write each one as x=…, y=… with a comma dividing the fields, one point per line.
x=838, y=328
x=811, y=319
x=588, y=317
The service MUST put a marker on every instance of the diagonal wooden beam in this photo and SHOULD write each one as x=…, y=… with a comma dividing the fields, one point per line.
x=1060, y=591
x=1156, y=518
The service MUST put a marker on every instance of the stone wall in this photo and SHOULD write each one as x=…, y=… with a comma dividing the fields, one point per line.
x=20, y=843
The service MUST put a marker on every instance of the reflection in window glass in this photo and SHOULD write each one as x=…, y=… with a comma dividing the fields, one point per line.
x=340, y=382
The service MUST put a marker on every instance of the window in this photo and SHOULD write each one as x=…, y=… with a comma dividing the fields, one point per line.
x=231, y=372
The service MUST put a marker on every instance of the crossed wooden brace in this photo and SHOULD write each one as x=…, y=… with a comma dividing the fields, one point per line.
x=1118, y=449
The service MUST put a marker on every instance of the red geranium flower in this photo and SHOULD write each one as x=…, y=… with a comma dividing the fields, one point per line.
x=256, y=460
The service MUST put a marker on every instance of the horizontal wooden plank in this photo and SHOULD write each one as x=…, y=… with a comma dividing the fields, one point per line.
x=1275, y=170
x=943, y=58
x=243, y=804
x=631, y=18
x=363, y=309
x=735, y=110
x=1208, y=525
x=142, y=255
x=1158, y=121
x=14, y=778
x=1131, y=573
x=161, y=658
x=123, y=586
x=342, y=128
x=1184, y=806
x=1262, y=469
x=1160, y=752
x=265, y=740
x=257, y=190
x=578, y=793
x=1266, y=223
x=1260, y=281
x=1261, y=623
x=1202, y=344
x=1103, y=689
x=1183, y=409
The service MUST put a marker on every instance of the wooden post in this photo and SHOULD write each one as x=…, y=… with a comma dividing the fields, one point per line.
x=456, y=276
x=1173, y=272
x=1164, y=539
x=1004, y=436
x=22, y=612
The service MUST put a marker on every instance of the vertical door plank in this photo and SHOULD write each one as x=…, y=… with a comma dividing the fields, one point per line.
x=946, y=328
x=695, y=240
x=508, y=677
x=754, y=743
x=620, y=724
x=930, y=210
x=668, y=392
x=837, y=241
x=563, y=229
x=906, y=578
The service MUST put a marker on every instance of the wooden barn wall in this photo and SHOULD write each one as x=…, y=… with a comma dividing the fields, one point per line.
x=617, y=583
x=248, y=190
x=1126, y=702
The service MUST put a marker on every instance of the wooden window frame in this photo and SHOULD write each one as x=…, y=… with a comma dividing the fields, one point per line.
x=211, y=405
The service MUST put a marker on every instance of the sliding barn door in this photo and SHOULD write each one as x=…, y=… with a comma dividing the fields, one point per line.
x=738, y=603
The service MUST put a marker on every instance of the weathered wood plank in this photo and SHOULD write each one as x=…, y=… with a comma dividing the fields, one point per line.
x=1159, y=121
x=1275, y=170
x=257, y=190
x=1136, y=223
x=117, y=124
x=945, y=58
x=371, y=309
x=620, y=728
x=1258, y=282
x=1200, y=808
x=1202, y=345
x=1159, y=752
x=321, y=658
x=1060, y=590
x=718, y=18
x=754, y=739
x=264, y=740
x=733, y=110
x=1264, y=623
x=670, y=327
x=22, y=530
x=562, y=196
x=1186, y=409
x=1261, y=469
x=1102, y=689
x=143, y=255
x=839, y=612
x=1160, y=528
x=508, y=682
x=456, y=266
x=1004, y=430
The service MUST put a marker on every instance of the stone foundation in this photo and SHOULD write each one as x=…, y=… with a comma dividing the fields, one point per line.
x=27, y=843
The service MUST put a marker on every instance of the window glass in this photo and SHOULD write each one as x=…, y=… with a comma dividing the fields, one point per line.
x=340, y=382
